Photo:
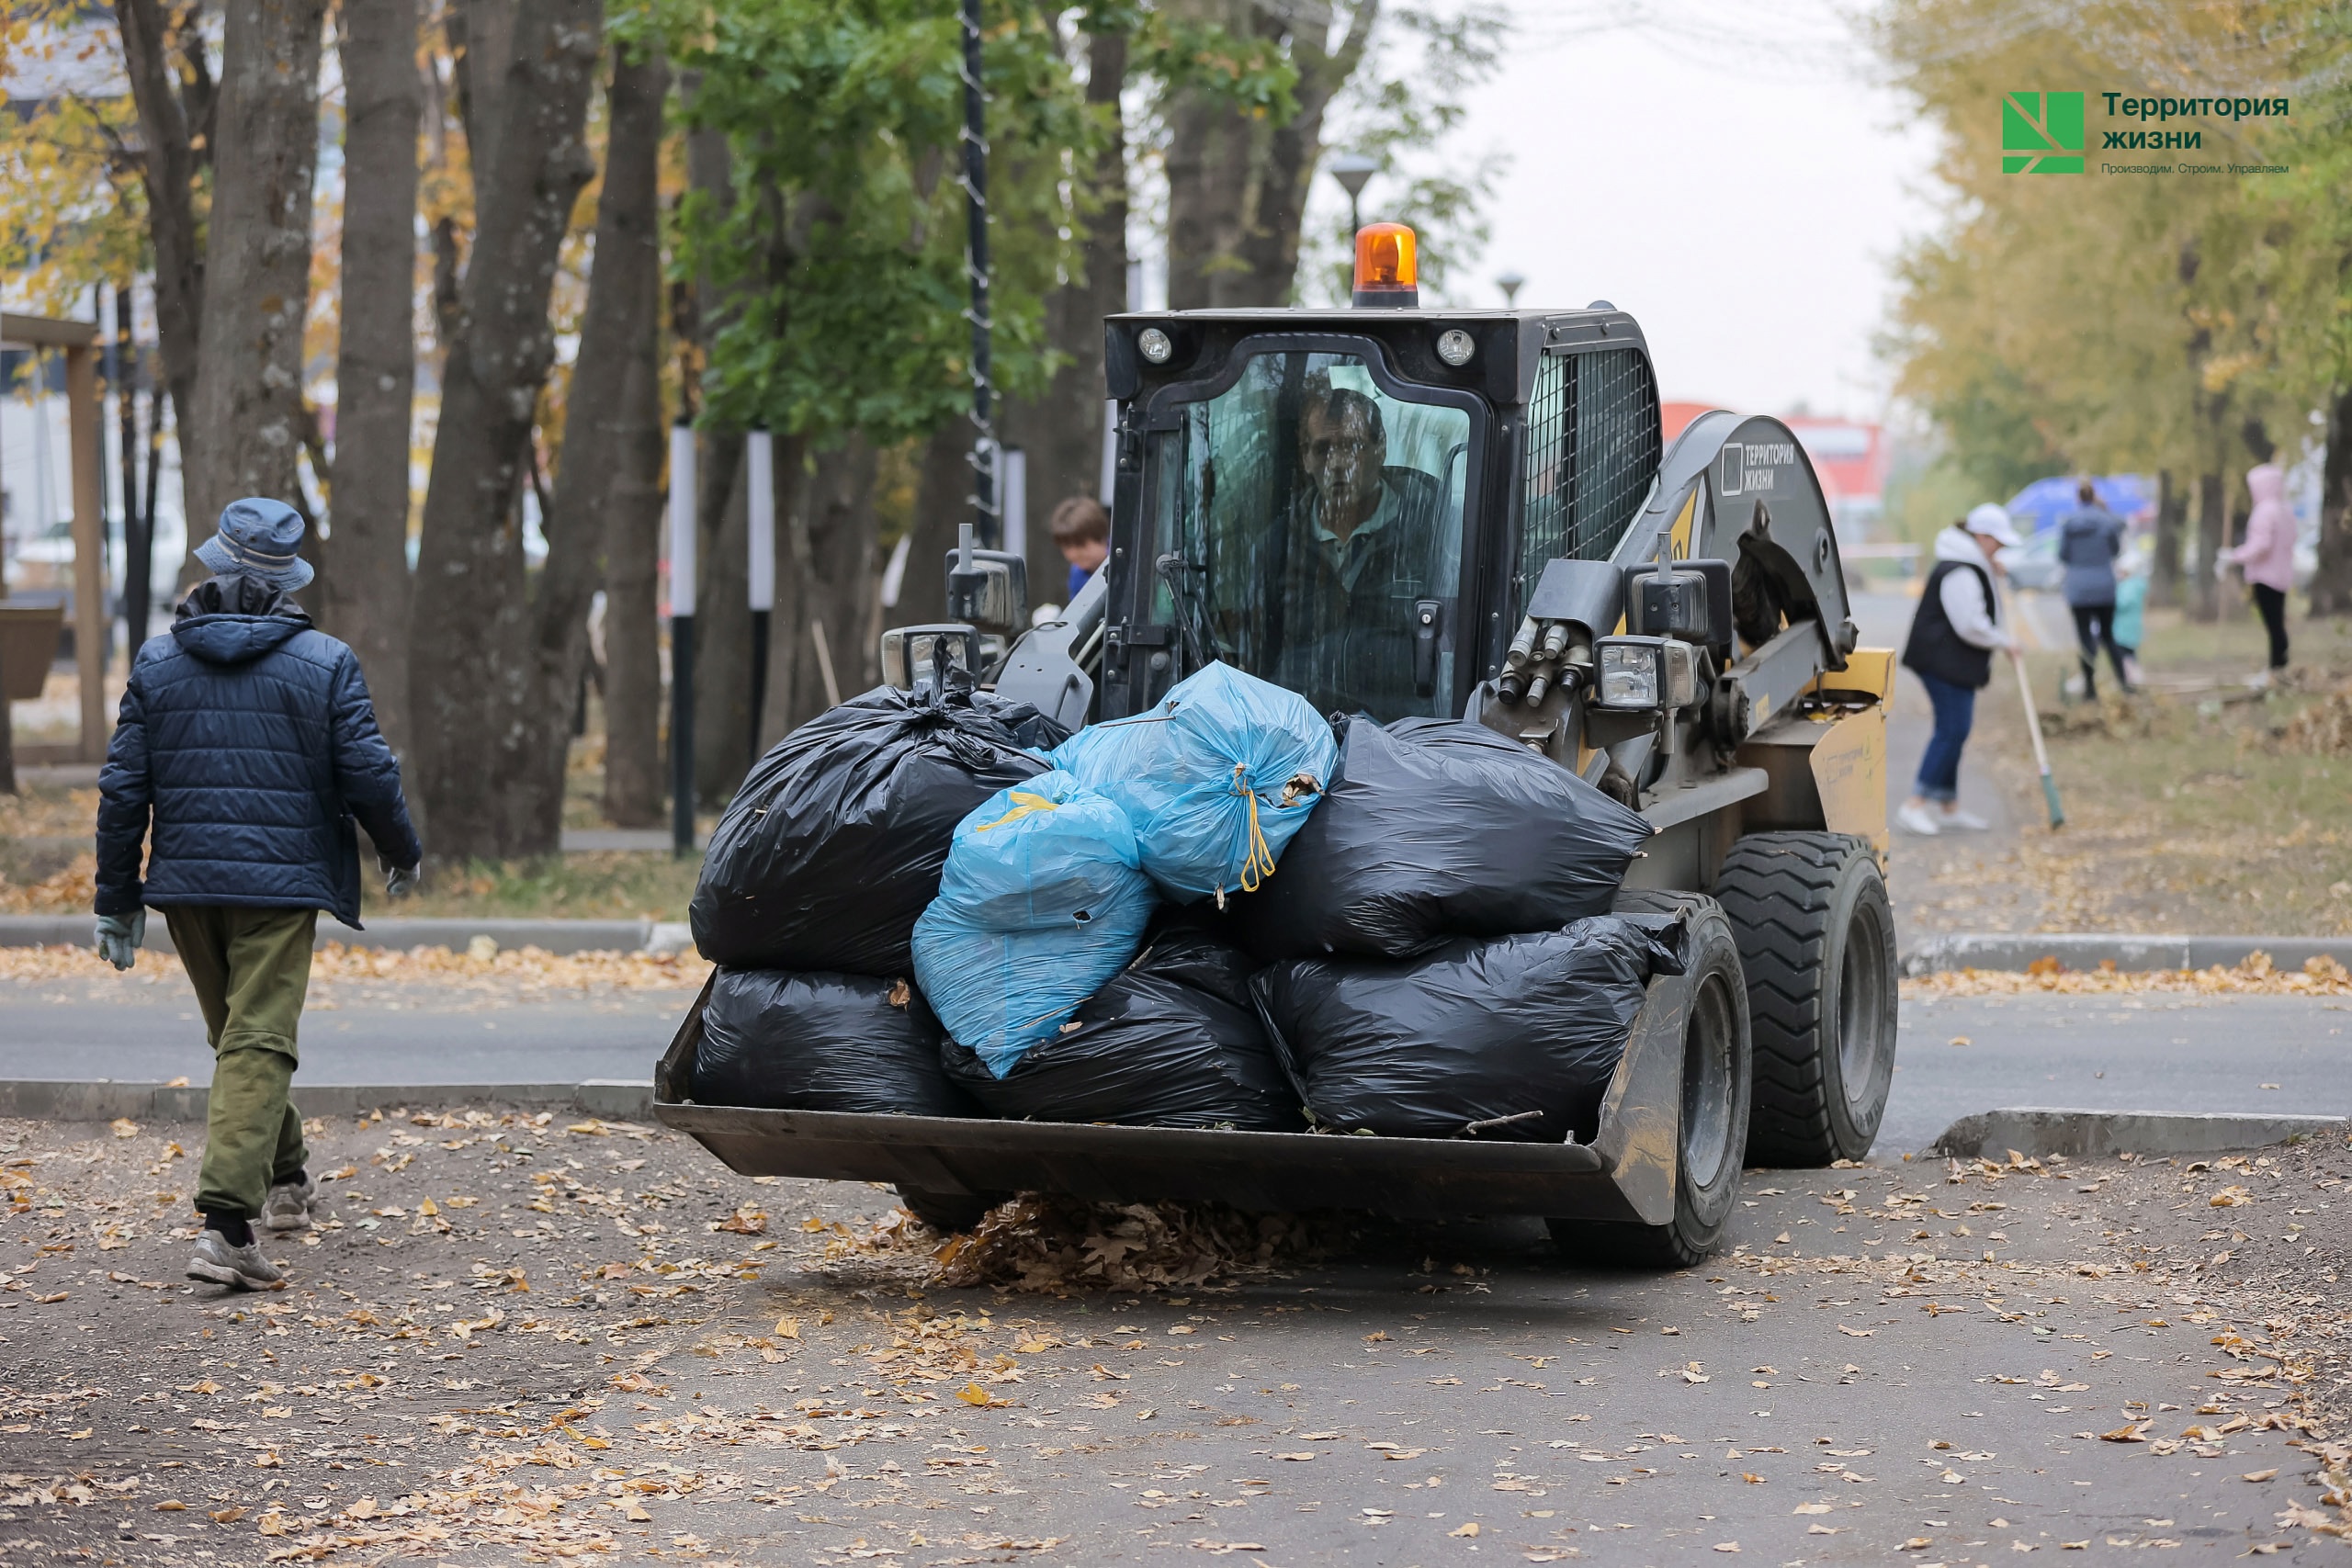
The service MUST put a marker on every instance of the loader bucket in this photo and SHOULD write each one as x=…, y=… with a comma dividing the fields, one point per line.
x=1625, y=1174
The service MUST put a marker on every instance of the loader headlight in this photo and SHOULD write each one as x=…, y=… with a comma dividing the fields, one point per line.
x=1455, y=347
x=1155, y=344
x=1638, y=674
x=1629, y=674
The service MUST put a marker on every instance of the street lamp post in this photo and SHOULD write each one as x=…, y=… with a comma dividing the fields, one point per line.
x=1352, y=170
x=758, y=457
x=1510, y=283
x=987, y=509
x=682, y=638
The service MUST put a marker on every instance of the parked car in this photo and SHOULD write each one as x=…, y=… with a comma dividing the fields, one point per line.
x=2035, y=564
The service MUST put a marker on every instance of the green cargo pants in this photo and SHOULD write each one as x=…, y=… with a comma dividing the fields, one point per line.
x=250, y=968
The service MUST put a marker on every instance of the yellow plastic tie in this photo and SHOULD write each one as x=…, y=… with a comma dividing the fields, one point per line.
x=1260, y=864
x=1023, y=805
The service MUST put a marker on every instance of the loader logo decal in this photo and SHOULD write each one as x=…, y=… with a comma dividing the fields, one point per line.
x=1753, y=468
x=2038, y=132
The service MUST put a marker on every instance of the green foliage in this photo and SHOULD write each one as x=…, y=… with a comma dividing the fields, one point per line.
x=842, y=253
x=71, y=210
x=1400, y=109
x=1927, y=493
x=2119, y=321
x=1250, y=73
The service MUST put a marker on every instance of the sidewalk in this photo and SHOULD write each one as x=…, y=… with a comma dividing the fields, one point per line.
x=562, y=937
x=576, y=841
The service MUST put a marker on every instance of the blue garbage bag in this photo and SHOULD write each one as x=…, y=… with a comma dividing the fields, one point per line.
x=1042, y=902
x=1216, y=778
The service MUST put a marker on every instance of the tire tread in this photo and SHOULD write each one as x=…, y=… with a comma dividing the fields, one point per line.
x=1779, y=889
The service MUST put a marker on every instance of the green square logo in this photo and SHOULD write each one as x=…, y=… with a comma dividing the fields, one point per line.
x=2038, y=129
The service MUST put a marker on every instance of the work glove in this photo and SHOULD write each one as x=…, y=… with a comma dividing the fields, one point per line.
x=2222, y=565
x=120, y=936
x=399, y=881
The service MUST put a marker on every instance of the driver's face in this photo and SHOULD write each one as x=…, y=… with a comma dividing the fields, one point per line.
x=1342, y=457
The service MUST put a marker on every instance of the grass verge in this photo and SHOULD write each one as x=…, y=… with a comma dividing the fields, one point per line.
x=2200, y=806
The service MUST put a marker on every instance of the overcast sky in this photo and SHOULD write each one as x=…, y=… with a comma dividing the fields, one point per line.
x=1714, y=169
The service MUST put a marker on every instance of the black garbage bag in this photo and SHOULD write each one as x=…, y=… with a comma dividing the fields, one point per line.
x=776, y=1040
x=835, y=843
x=1434, y=828
x=1513, y=1038
x=1173, y=1040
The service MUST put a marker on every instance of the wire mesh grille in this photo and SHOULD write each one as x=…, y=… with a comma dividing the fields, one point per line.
x=1593, y=448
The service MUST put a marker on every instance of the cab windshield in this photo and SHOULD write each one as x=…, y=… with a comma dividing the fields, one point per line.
x=1315, y=523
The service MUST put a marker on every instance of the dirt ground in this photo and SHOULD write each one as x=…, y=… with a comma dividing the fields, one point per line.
x=522, y=1339
x=2199, y=808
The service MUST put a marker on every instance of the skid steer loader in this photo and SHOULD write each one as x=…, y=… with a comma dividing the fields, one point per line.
x=1412, y=512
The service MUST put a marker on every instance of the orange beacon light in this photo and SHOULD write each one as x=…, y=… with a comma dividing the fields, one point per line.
x=1388, y=270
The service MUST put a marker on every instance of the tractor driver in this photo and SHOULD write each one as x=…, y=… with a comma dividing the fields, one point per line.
x=1361, y=538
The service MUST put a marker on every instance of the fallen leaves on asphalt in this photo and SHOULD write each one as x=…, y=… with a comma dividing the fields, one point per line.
x=2320, y=976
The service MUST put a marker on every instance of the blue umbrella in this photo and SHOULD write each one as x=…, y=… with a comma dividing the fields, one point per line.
x=2042, y=503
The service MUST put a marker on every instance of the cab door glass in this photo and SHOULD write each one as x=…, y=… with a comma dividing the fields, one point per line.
x=1317, y=523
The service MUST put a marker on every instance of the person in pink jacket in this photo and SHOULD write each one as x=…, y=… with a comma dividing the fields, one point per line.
x=2268, y=557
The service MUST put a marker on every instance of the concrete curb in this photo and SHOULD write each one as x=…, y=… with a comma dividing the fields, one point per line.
x=2088, y=950
x=1991, y=1135
x=562, y=937
x=71, y=1100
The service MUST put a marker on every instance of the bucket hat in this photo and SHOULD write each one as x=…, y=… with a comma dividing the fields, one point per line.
x=1992, y=520
x=261, y=539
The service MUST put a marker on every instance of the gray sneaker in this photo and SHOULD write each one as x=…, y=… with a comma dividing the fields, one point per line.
x=287, y=1207
x=240, y=1267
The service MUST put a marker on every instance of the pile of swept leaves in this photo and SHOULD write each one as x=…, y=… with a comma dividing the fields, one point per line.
x=68, y=891
x=483, y=967
x=2254, y=976
x=1053, y=1244
x=2321, y=730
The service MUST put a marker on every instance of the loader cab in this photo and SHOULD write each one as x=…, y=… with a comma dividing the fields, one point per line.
x=1355, y=504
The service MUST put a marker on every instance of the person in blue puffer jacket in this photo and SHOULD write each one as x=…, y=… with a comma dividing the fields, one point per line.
x=246, y=750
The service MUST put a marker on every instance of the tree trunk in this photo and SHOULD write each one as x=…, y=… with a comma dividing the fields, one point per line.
x=722, y=621
x=473, y=671
x=482, y=33
x=1294, y=150
x=2163, y=577
x=830, y=574
x=1236, y=186
x=2212, y=527
x=375, y=358
x=600, y=426
x=940, y=495
x=245, y=416
x=1061, y=429
x=7, y=738
x=172, y=88
x=1212, y=147
x=2332, y=583
x=633, y=776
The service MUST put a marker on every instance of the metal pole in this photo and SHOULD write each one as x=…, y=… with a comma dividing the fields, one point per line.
x=985, y=512
x=759, y=451
x=137, y=526
x=682, y=638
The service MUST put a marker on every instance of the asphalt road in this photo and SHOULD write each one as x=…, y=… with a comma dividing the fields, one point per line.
x=102, y=1028
x=1881, y=1362
x=2152, y=1052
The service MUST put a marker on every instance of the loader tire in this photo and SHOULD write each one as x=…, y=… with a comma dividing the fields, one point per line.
x=1711, y=1138
x=1817, y=935
x=948, y=1212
